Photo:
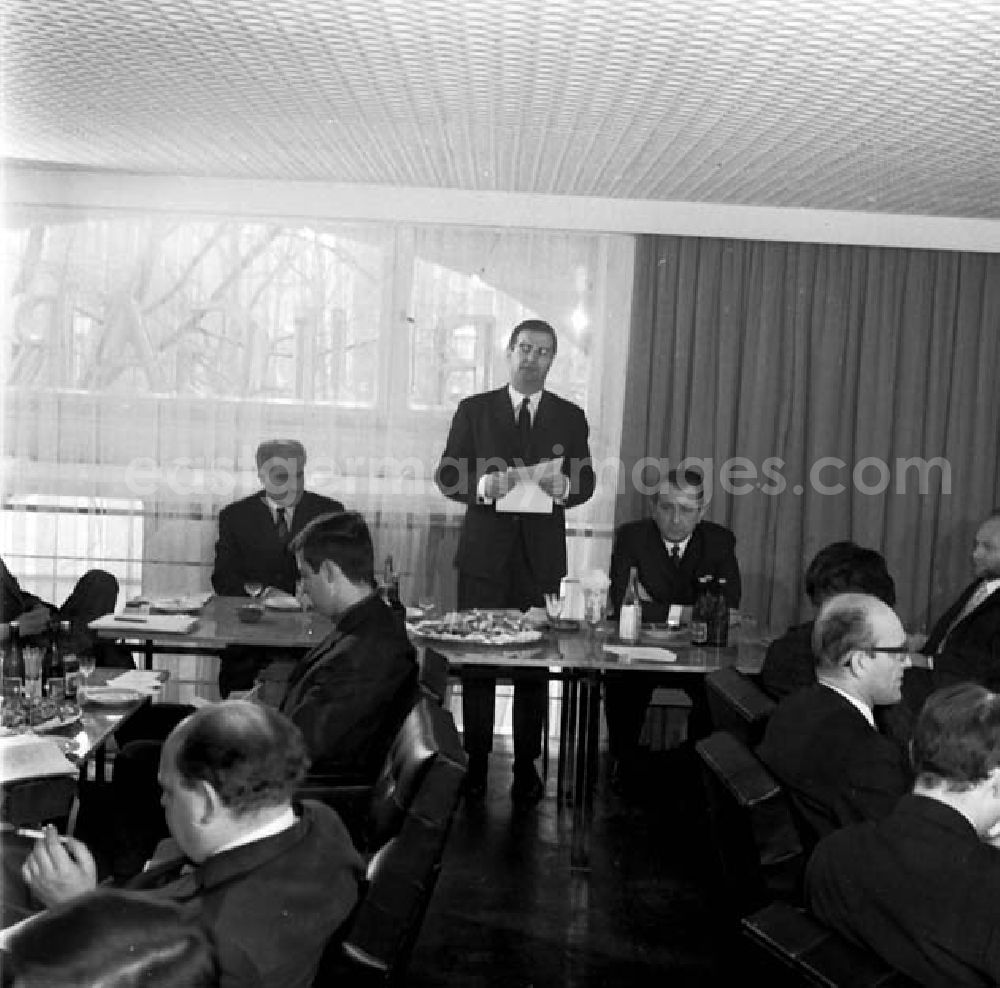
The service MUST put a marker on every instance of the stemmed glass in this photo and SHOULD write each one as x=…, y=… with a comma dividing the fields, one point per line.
x=87, y=663
x=553, y=607
x=427, y=603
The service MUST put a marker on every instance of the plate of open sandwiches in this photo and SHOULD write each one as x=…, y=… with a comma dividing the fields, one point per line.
x=478, y=628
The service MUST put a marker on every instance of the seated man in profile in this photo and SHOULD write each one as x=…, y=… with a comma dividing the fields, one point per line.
x=920, y=887
x=254, y=535
x=350, y=694
x=839, y=567
x=821, y=742
x=270, y=880
x=670, y=550
x=964, y=644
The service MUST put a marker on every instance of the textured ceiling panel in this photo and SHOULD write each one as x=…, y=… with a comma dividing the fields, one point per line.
x=888, y=107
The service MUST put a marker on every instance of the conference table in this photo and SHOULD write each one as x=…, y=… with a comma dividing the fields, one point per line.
x=580, y=659
x=216, y=625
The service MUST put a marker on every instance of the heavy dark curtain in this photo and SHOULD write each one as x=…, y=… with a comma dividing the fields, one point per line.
x=805, y=351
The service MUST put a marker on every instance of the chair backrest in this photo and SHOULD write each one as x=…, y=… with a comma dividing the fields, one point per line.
x=736, y=704
x=411, y=816
x=814, y=953
x=434, y=674
x=754, y=831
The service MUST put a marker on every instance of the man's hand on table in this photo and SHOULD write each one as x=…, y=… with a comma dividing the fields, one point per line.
x=59, y=868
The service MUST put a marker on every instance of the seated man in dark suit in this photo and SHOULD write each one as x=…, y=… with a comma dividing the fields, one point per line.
x=920, y=887
x=821, y=742
x=254, y=534
x=350, y=694
x=94, y=595
x=670, y=550
x=837, y=568
x=964, y=645
x=270, y=880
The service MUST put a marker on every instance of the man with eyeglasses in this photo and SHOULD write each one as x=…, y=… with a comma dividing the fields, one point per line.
x=511, y=558
x=920, y=886
x=821, y=742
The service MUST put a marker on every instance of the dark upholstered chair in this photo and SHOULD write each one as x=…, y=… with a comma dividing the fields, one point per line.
x=814, y=954
x=754, y=831
x=434, y=675
x=409, y=819
x=736, y=704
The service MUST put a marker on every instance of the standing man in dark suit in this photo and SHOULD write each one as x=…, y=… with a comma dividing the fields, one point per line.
x=670, y=550
x=511, y=559
x=254, y=534
x=920, y=887
x=821, y=742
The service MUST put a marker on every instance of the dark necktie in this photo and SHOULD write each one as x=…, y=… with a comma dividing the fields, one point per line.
x=524, y=425
x=675, y=553
x=281, y=526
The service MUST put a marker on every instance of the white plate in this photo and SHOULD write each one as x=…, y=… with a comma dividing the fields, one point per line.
x=111, y=696
x=282, y=602
x=176, y=605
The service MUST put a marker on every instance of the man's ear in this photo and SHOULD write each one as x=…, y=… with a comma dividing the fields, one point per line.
x=330, y=571
x=207, y=803
x=858, y=661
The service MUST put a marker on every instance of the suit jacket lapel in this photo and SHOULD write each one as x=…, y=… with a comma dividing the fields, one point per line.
x=502, y=413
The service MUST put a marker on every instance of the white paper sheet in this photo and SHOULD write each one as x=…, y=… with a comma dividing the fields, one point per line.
x=526, y=496
x=641, y=653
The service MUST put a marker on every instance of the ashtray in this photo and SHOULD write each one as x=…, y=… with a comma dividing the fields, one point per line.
x=251, y=613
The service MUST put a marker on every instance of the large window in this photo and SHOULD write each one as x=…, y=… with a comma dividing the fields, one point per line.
x=145, y=357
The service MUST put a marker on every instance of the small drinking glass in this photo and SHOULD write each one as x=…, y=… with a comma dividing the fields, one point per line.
x=87, y=664
x=594, y=606
x=33, y=673
x=553, y=607
x=253, y=588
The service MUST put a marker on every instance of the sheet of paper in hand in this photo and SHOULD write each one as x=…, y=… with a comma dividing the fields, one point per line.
x=526, y=496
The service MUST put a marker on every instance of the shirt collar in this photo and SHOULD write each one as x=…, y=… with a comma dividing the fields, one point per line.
x=992, y=585
x=269, y=829
x=516, y=398
x=273, y=506
x=680, y=545
x=862, y=708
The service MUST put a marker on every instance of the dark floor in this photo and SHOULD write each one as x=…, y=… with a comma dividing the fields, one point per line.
x=508, y=909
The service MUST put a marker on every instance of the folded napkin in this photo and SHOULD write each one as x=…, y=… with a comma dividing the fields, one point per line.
x=144, y=681
x=641, y=653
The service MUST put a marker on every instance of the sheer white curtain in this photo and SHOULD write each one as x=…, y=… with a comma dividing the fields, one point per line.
x=145, y=358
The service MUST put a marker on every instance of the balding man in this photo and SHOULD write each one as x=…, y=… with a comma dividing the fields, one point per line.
x=821, y=742
x=964, y=645
x=271, y=881
x=254, y=535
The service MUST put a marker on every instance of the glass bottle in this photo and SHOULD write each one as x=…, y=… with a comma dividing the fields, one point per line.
x=629, y=618
x=13, y=663
x=53, y=666
x=390, y=588
x=718, y=621
x=71, y=662
x=700, y=611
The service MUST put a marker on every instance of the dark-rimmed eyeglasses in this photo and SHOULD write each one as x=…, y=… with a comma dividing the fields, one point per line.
x=891, y=649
